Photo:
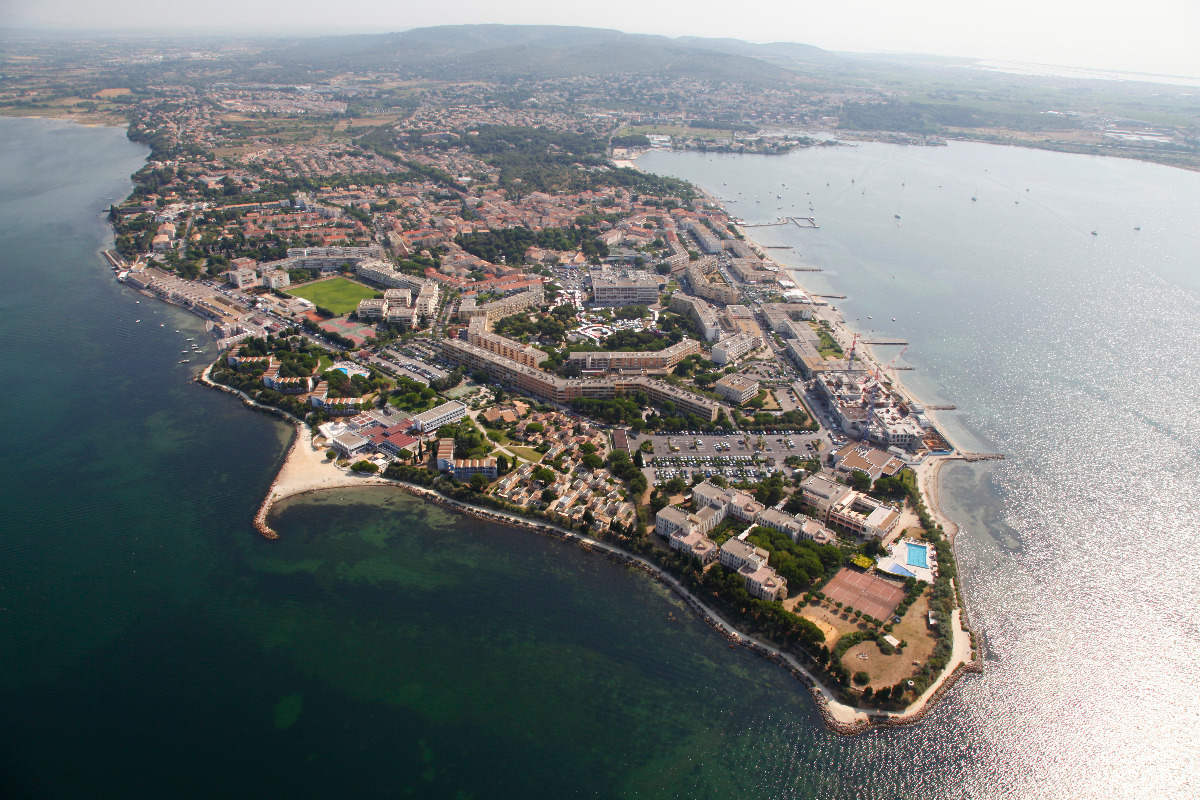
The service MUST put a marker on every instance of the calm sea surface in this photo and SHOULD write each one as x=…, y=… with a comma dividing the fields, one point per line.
x=152, y=645
x=1078, y=356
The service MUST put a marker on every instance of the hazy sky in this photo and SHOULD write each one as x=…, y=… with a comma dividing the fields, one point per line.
x=1155, y=36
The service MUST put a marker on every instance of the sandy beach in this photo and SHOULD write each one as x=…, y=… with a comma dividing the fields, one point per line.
x=306, y=469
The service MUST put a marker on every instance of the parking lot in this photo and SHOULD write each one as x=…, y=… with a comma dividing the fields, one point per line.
x=740, y=455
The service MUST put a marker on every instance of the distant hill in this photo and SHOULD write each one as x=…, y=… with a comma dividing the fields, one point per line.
x=498, y=52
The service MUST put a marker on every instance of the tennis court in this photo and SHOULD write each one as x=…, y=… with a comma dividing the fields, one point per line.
x=872, y=595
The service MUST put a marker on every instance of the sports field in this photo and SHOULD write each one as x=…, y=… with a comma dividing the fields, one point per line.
x=339, y=295
x=877, y=597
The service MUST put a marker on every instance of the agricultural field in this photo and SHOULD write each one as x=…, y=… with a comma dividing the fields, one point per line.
x=339, y=295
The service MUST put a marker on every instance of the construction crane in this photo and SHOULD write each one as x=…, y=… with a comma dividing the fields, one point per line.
x=878, y=375
x=895, y=358
x=853, y=344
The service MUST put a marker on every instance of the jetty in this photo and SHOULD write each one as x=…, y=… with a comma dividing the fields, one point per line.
x=942, y=408
x=982, y=456
x=799, y=222
x=114, y=260
x=896, y=342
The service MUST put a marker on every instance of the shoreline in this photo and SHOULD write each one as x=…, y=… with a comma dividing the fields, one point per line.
x=305, y=470
x=964, y=657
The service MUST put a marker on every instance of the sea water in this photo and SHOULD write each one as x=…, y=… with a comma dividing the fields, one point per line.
x=151, y=644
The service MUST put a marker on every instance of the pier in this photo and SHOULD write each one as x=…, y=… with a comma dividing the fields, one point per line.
x=972, y=457
x=896, y=342
x=942, y=408
x=114, y=260
x=799, y=222
x=831, y=296
x=805, y=269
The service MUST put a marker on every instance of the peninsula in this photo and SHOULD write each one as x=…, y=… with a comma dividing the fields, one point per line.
x=490, y=306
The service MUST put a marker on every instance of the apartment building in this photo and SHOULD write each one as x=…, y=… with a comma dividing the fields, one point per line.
x=731, y=348
x=738, y=505
x=704, y=315
x=696, y=545
x=463, y=469
x=563, y=390
x=750, y=562
x=737, y=389
x=480, y=336
x=370, y=310
x=666, y=358
x=331, y=258
x=612, y=290
x=446, y=413
x=445, y=454
x=821, y=492
x=504, y=307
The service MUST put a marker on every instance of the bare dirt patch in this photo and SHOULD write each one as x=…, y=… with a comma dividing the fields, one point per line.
x=829, y=621
x=889, y=670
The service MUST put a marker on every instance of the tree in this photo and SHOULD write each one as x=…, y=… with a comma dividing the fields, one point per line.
x=479, y=482
x=592, y=461
x=331, y=454
x=549, y=496
x=502, y=464
x=883, y=695
x=861, y=678
x=543, y=475
x=364, y=466
x=860, y=480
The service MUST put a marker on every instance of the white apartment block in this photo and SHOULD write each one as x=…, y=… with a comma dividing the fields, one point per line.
x=737, y=389
x=704, y=315
x=370, y=310
x=731, y=348
x=446, y=413
x=616, y=291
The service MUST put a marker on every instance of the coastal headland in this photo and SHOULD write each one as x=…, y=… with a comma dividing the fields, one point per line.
x=307, y=469
x=631, y=381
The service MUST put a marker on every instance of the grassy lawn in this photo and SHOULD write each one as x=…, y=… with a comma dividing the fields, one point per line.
x=339, y=295
x=527, y=454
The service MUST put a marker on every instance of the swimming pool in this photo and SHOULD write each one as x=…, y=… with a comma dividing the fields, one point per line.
x=918, y=555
